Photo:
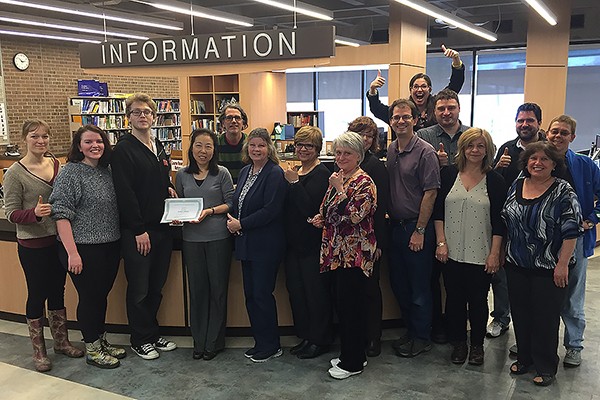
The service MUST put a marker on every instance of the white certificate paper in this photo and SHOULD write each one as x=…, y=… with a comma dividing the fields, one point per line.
x=188, y=209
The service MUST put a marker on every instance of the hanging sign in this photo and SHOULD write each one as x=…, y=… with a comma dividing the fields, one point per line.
x=277, y=44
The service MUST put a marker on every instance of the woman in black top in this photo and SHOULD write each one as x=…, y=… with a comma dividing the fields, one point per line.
x=375, y=168
x=308, y=288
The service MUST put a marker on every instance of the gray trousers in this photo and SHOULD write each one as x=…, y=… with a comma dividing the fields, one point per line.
x=207, y=265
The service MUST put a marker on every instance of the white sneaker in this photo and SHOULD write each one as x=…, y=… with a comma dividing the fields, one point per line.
x=495, y=329
x=338, y=373
x=335, y=361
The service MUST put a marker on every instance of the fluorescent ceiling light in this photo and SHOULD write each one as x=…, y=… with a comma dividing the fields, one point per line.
x=346, y=41
x=92, y=12
x=57, y=24
x=201, y=12
x=43, y=35
x=540, y=7
x=336, y=69
x=300, y=8
x=435, y=12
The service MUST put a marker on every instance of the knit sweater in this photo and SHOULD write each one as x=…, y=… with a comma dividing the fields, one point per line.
x=85, y=196
x=21, y=192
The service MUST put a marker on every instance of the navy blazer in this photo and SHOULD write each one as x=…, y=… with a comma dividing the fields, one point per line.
x=263, y=236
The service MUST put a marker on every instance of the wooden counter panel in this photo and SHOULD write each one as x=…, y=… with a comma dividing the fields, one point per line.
x=13, y=290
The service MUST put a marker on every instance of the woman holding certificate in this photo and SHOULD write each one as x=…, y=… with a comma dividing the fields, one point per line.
x=207, y=243
x=257, y=221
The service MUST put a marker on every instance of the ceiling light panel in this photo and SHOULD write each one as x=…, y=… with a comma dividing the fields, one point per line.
x=300, y=8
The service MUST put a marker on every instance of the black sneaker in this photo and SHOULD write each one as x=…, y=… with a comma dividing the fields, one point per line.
x=250, y=352
x=146, y=351
x=163, y=344
x=261, y=357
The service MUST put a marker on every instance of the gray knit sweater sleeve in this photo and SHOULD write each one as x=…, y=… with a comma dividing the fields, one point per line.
x=85, y=196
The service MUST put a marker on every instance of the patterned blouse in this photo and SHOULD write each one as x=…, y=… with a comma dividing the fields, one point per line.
x=537, y=227
x=348, y=234
x=246, y=188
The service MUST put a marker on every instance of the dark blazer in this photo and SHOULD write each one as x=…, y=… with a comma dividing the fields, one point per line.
x=263, y=237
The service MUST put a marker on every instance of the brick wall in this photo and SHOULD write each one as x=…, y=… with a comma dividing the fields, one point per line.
x=42, y=91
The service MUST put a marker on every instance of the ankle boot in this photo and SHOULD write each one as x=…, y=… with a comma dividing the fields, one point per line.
x=58, y=328
x=96, y=356
x=36, y=333
x=116, y=352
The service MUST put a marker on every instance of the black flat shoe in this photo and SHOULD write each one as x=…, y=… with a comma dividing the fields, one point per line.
x=298, y=348
x=517, y=368
x=209, y=355
x=459, y=353
x=197, y=355
x=312, y=351
x=547, y=380
x=374, y=348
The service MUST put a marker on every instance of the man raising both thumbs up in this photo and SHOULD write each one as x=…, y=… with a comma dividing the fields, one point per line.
x=444, y=135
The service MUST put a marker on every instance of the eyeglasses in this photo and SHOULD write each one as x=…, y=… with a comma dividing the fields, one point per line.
x=233, y=118
x=422, y=87
x=405, y=117
x=556, y=131
x=306, y=146
x=146, y=113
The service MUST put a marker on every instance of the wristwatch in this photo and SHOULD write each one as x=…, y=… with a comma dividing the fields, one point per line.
x=420, y=230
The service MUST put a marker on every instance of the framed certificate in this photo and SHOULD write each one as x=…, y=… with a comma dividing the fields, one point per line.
x=183, y=210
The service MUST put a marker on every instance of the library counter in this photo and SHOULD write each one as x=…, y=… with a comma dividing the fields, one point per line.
x=174, y=311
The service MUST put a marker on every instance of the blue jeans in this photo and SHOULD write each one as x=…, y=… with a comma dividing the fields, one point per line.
x=410, y=278
x=572, y=313
x=501, y=312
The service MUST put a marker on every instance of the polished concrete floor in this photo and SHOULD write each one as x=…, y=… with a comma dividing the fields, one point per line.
x=175, y=375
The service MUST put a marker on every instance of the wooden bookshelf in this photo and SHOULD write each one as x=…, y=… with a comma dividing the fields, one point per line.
x=298, y=119
x=208, y=96
x=167, y=125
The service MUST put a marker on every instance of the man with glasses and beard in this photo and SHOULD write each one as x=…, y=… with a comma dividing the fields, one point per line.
x=233, y=121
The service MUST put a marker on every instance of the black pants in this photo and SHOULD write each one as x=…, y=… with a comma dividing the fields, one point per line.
x=310, y=297
x=373, y=304
x=259, y=284
x=93, y=284
x=438, y=324
x=535, y=304
x=467, y=287
x=45, y=279
x=146, y=276
x=349, y=286
x=207, y=265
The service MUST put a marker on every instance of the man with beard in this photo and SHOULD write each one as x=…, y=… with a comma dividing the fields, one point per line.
x=444, y=135
x=528, y=120
x=234, y=120
x=420, y=92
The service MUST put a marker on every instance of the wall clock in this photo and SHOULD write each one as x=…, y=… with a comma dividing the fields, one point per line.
x=21, y=61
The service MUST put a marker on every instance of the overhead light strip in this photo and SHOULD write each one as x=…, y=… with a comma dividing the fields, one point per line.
x=200, y=12
x=347, y=43
x=448, y=18
x=541, y=8
x=301, y=8
x=90, y=12
x=42, y=35
x=74, y=27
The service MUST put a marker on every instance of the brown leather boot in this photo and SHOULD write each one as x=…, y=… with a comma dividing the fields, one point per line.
x=58, y=327
x=36, y=333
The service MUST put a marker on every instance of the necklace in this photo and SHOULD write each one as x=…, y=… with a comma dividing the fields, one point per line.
x=303, y=171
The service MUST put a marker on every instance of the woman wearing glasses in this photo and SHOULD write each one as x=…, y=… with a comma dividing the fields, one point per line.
x=375, y=168
x=308, y=288
x=256, y=220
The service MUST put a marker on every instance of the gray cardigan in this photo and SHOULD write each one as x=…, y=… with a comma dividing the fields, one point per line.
x=86, y=196
x=215, y=190
x=21, y=192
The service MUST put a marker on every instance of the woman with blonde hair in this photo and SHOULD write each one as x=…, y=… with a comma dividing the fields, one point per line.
x=469, y=231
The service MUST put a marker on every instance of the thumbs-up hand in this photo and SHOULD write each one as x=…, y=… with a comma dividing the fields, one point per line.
x=42, y=209
x=505, y=159
x=453, y=54
x=442, y=155
x=378, y=82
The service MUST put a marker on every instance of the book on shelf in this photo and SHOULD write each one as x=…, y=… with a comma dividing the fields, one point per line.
x=165, y=106
x=203, y=123
x=303, y=120
x=198, y=107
